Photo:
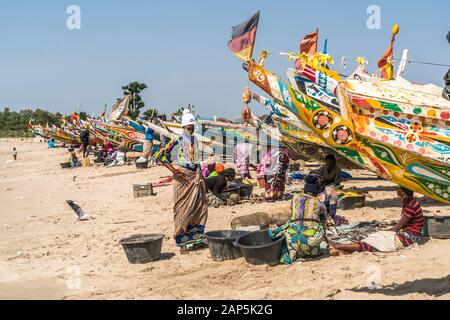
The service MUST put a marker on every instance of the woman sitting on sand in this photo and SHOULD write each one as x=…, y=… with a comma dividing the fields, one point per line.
x=108, y=147
x=328, y=195
x=331, y=179
x=273, y=168
x=74, y=162
x=208, y=166
x=51, y=143
x=217, y=182
x=305, y=230
x=406, y=232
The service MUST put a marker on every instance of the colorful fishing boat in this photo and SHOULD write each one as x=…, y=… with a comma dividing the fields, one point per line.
x=60, y=135
x=394, y=128
x=117, y=135
x=359, y=131
x=37, y=130
x=305, y=145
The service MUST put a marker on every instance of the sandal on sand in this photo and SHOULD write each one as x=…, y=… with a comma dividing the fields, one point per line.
x=184, y=250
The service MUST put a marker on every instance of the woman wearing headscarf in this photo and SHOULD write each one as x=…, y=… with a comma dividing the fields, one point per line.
x=273, y=168
x=209, y=166
x=189, y=188
x=305, y=230
x=406, y=232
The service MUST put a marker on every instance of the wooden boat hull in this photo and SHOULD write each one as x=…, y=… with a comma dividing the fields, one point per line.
x=406, y=168
x=118, y=136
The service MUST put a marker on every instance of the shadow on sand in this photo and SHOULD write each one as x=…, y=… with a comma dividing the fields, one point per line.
x=167, y=256
x=383, y=203
x=367, y=178
x=432, y=287
x=379, y=188
x=395, y=203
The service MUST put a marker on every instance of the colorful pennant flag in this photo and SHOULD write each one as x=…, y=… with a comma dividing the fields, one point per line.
x=104, y=110
x=75, y=118
x=308, y=46
x=386, y=63
x=243, y=38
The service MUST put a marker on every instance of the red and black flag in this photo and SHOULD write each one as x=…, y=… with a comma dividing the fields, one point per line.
x=243, y=38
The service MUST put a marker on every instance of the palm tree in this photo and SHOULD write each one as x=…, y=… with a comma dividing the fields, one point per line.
x=136, y=104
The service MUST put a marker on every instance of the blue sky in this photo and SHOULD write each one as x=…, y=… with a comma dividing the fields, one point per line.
x=178, y=48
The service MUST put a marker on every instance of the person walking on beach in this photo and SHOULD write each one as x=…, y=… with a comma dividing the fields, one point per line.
x=148, y=145
x=15, y=153
x=189, y=187
x=84, y=137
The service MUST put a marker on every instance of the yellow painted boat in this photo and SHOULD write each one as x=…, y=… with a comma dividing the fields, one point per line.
x=356, y=130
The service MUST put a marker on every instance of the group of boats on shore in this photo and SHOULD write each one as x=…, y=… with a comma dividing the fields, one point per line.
x=395, y=128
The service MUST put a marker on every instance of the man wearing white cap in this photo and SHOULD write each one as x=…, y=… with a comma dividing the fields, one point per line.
x=189, y=188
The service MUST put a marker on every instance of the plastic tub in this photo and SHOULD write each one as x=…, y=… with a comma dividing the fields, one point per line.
x=258, y=248
x=66, y=165
x=142, y=248
x=221, y=244
x=243, y=190
x=437, y=227
x=142, y=165
x=352, y=202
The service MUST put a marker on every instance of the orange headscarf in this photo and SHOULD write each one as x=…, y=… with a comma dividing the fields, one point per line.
x=220, y=168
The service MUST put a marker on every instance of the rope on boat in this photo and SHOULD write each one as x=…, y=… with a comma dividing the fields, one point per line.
x=424, y=62
x=412, y=61
x=418, y=62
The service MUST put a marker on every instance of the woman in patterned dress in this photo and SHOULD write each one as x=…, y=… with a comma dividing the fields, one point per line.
x=273, y=168
x=189, y=187
x=305, y=230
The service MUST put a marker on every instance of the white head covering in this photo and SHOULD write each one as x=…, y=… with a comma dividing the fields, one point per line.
x=187, y=119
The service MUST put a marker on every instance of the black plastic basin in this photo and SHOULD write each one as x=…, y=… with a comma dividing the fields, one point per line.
x=437, y=227
x=142, y=248
x=258, y=248
x=221, y=244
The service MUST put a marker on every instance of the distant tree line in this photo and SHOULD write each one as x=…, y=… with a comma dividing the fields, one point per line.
x=14, y=124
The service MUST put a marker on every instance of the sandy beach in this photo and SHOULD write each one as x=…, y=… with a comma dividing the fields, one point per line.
x=47, y=254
